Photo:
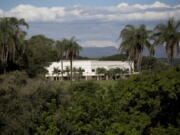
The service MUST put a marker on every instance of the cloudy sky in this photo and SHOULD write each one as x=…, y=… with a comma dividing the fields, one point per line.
x=93, y=22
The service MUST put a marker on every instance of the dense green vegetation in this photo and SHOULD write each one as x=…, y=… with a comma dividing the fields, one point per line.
x=148, y=105
x=135, y=39
x=32, y=55
x=39, y=52
x=144, y=104
x=16, y=53
x=169, y=35
x=12, y=43
x=111, y=74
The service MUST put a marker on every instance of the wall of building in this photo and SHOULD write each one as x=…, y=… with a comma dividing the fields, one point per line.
x=89, y=66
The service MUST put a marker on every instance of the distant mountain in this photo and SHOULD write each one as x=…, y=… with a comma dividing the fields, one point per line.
x=160, y=52
x=97, y=52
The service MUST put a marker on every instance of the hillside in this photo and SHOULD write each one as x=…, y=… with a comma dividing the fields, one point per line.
x=97, y=52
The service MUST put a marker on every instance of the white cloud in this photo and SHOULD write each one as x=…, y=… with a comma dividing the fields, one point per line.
x=1, y=12
x=121, y=12
x=32, y=13
x=98, y=43
x=177, y=6
x=123, y=5
x=157, y=4
x=145, y=16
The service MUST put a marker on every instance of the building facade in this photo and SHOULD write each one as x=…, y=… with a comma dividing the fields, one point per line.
x=89, y=69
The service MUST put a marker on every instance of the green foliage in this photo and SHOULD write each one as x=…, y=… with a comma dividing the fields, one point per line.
x=146, y=104
x=152, y=64
x=112, y=73
x=134, y=40
x=78, y=73
x=170, y=130
x=56, y=71
x=143, y=104
x=137, y=108
x=168, y=34
x=48, y=125
x=40, y=52
x=72, y=50
x=11, y=43
x=29, y=106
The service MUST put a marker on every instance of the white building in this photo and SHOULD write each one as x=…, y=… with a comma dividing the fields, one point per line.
x=89, y=67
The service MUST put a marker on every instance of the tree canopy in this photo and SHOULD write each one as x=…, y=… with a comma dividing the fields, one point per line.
x=146, y=104
x=40, y=51
x=11, y=41
x=134, y=40
x=169, y=34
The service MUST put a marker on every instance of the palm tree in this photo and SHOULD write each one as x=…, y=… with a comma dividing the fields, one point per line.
x=60, y=46
x=134, y=40
x=11, y=39
x=75, y=75
x=80, y=72
x=101, y=71
x=72, y=51
x=168, y=34
x=118, y=72
x=56, y=71
x=125, y=71
x=111, y=73
x=67, y=70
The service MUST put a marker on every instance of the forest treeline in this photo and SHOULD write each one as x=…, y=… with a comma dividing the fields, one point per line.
x=34, y=54
x=145, y=104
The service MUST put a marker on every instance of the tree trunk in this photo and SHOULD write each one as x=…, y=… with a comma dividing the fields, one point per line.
x=107, y=78
x=139, y=63
x=62, y=71
x=115, y=77
x=71, y=59
x=170, y=60
x=169, y=52
x=131, y=68
x=171, y=56
x=4, y=70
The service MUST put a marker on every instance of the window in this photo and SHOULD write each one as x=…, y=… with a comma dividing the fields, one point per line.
x=93, y=70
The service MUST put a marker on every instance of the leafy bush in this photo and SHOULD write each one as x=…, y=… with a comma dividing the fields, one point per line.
x=145, y=104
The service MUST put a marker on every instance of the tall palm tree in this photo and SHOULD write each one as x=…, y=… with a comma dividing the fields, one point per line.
x=111, y=73
x=101, y=71
x=67, y=70
x=134, y=40
x=11, y=39
x=118, y=72
x=56, y=71
x=168, y=34
x=72, y=51
x=60, y=46
x=126, y=71
x=74, y=72
x=80, y=72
